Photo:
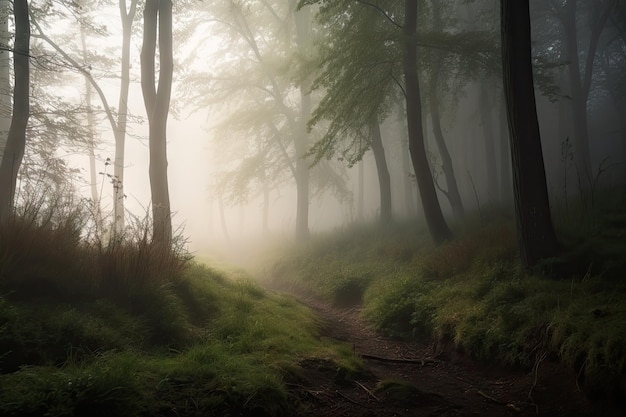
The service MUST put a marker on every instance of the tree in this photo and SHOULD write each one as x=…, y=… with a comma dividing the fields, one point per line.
x=157, y=102
x=5, y=78
x=535, y=231
x=580, y=81
x=437, y=225
x=437, y=62
x=16, y=139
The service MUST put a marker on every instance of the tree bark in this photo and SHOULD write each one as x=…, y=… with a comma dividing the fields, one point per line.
x=303, y=39
x=16, y=139
x=91, y=141
x=384, y=180
x=452, y=190
x=437, y=225
x=5, y=78
x=580, y=83
x=535, y=231
x=157, y=101
x=488, y=136
x=127, y=17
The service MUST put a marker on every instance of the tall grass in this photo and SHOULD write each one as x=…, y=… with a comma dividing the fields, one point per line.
x=91, y=325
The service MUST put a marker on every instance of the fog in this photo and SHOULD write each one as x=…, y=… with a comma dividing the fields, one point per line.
x=249, y=76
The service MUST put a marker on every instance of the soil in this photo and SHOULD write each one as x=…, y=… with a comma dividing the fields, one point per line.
x=418, y=379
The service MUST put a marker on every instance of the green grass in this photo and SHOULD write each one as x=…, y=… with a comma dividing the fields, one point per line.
x=472, y=292
x=209, y=345
x=127, y=328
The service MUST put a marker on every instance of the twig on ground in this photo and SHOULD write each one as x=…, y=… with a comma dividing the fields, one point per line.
x=422, y=361
x=368, y=391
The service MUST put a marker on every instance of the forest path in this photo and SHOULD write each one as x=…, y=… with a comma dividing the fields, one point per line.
x=444, y=384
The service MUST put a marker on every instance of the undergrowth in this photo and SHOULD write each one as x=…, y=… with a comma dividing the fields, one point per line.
x=124, y=327
x=472, y=293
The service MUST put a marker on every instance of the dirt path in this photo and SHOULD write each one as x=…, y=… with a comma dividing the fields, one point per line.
x=446, y=384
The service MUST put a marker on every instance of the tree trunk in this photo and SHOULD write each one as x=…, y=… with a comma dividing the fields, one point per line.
x=303, y=39
x=452, y=190
x=490, y=146
x=360, y=208
x=384, y=180
x=127, y=17
x=580, y=83
x=157, y=100
x=16, y=139
x=437, y=226
x=5, y=78
x=506, y=182
x=91, y=141
x=535, y=232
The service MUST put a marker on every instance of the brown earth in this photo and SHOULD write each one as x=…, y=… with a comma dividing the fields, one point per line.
x=416, y=379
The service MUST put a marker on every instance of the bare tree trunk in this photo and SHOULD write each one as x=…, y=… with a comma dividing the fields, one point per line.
x=437, y=225
x=127, y=17
x=580, y=83
x=303, y=39
x=452, y=190
x=91, y=140
x=16, y=139
x=157, y=101
x=535, y=232
x=361, y=196
x=506, y=181
x=384, y=180
x=5, y=78
x=490, y=146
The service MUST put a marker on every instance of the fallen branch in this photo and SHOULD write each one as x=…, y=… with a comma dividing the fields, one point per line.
x=422, y=361
x=368, y=391
x=494, y=400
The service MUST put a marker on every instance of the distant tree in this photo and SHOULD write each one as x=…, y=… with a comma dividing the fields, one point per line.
x=157, y=102
x=16, y=140
x=437, y=62
x=580, y=76
x=437, y=225
x=536, y=235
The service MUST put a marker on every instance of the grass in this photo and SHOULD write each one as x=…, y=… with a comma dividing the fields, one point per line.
x=128, y=329
x=472, y=292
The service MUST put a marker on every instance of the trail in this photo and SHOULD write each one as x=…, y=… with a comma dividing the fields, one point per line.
x=436, y=381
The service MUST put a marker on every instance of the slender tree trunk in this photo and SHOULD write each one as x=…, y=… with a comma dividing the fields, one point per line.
x=490, y=145
x=127, y=17
x=16, y=139
x=535, y=232
x=5, y=79
x=266, y=204
x=437, y=225
x=452, y=190
x=157, y=100
x=384, y=180
x=436, y=58
x=303, y=39
x=91, y=145
x=580, y=83
x=506, y=181
x=361, y=196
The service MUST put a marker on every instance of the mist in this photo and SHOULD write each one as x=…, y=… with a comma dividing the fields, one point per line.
x=452, y=174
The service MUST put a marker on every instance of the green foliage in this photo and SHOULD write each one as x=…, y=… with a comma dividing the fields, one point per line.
x=128, y=328
x=472, y=292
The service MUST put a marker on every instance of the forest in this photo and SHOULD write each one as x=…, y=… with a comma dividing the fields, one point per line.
x=312, y=208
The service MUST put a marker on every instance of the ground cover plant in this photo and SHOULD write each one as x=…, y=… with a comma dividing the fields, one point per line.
x=128, y=329
x=471, y=294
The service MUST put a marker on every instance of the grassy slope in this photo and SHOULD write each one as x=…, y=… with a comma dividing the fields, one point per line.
x=472, y=292
x=129, y=330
